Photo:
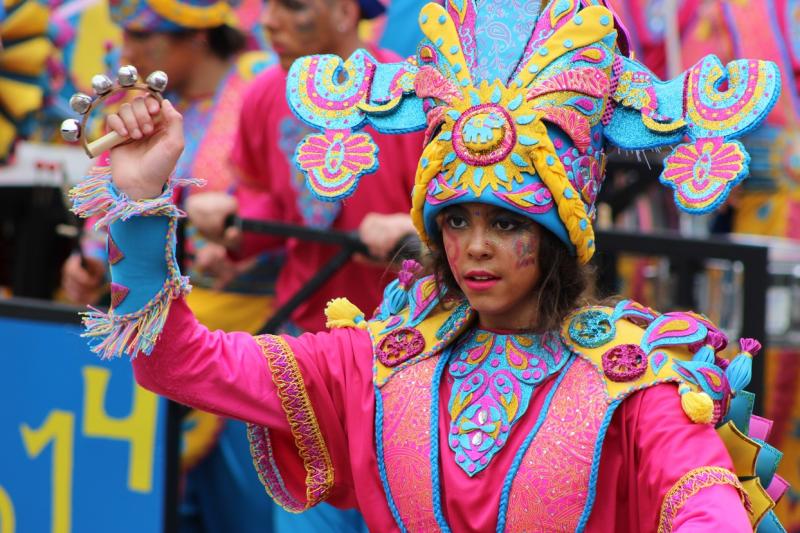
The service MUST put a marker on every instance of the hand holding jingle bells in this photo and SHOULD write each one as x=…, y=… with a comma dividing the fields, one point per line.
x=146, y=134
x=127, y=79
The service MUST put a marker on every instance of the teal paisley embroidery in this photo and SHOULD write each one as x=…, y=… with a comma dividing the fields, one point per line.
x=494, y=376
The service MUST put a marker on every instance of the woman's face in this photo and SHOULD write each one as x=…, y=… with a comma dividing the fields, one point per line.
x=493, y=255
x=149, y=51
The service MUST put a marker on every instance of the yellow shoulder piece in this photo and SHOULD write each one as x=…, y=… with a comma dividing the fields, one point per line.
x=633, y=347
x=399, y=341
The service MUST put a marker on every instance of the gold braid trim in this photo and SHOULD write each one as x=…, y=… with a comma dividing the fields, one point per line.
x=690, y=484
x=434, y=153
x=571, y=209
x=304, y=426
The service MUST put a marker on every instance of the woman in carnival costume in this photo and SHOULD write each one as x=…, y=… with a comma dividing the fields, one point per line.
x=483, y=396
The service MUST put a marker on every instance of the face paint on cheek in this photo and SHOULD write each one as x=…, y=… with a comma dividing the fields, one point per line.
x=525, y=251
x=452, y=250
x=306, y=23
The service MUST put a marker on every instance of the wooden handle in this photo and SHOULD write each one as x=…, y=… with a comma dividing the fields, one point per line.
x=110, y=140
x=104, y=143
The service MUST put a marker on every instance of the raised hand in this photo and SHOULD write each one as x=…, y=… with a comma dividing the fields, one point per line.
x=140, y=167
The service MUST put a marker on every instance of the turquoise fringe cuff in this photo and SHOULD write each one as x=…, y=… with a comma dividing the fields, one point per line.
x=97, y=195
x=114, y=334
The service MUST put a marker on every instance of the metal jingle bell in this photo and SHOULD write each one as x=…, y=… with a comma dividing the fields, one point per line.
x=157, y=81
x=80, y=102
x=70, y=130
x=127, y=75
x=101, y=84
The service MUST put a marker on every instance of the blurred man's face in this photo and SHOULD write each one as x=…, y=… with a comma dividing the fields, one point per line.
x=149, y=51
x=298, y=28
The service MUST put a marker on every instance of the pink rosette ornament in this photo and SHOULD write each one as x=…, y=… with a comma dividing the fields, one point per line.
x=333, y=162
x=702, y=173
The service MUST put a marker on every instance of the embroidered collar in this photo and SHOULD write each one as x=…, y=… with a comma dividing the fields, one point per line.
x=494, y=377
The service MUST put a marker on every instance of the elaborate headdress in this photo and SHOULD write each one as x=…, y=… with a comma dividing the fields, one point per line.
x=172, y=15
x=518, y=106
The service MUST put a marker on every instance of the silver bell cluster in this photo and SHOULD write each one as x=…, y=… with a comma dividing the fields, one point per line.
x=127, y=76
x=157, y=81
x=71, y=130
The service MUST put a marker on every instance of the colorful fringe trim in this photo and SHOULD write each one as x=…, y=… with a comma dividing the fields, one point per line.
x=97, y=195
x=113, y=335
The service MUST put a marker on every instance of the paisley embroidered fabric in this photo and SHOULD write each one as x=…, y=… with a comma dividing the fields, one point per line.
x=494, y=376
x=228, y=374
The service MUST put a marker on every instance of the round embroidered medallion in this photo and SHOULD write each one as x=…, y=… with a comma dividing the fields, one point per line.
x=484, y=135
x=592, y=328
x=625, y=362
x=399, y=346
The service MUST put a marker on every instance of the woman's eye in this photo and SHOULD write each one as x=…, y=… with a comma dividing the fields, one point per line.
x=456, y=221
x=506, y=224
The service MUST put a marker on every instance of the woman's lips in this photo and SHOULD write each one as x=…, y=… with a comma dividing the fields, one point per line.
x=480, y=280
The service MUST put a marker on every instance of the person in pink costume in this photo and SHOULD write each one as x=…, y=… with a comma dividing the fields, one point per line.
x=272, y=188
x=488, y=393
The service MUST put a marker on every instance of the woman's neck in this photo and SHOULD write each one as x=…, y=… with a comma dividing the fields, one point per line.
x=516, y=321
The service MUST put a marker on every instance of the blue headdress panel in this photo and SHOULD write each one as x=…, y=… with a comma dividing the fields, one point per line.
x=524, y=122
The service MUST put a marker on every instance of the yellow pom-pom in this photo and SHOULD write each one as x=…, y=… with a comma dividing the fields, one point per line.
x=698, y=406
x=341, y=313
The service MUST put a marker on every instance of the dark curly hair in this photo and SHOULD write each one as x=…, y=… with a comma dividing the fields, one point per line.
x=565, y=283
x=223, y=41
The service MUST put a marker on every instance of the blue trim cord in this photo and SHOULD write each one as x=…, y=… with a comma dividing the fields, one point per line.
x=381, y=464
x=512, y=472
x=598, y=448
x=434, y=430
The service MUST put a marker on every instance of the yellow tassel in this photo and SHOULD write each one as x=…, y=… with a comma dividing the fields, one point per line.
x=341, y=313
x=698, y=406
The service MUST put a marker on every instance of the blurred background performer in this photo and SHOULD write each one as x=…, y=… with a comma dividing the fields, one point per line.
x=272, y=188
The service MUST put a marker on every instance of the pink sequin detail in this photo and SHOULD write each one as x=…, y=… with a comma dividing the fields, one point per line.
x=115, y=255
x=586, y=80
x=118, y=294
x=696, y=82
x=573, y=123
x=550, y=490
x=430, y=83
x=399, y=346
x=624, y=362
x=407, y=408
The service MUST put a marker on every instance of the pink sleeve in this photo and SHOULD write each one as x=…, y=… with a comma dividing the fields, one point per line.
x=291, y=391
x=659, y=471
x=684, y=473
x=222, y=373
